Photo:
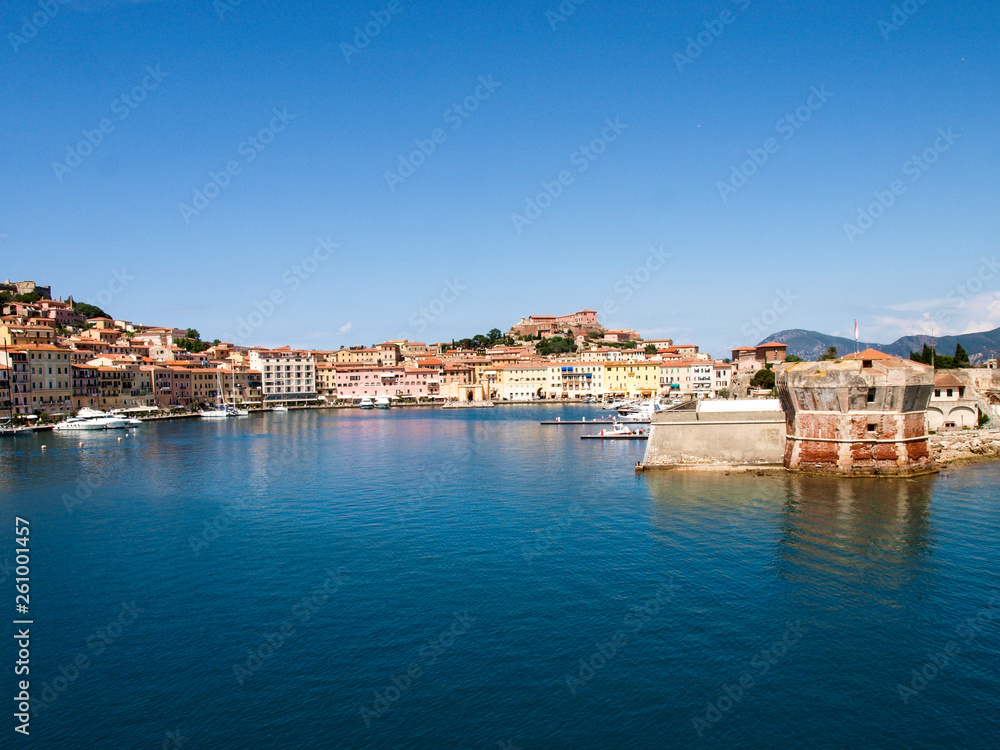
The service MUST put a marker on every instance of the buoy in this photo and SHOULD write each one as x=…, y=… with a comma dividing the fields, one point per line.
x=81, y=443
x=44, y=447
x=119, y=440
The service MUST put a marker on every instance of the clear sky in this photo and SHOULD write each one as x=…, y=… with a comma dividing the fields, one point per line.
x=745, y=137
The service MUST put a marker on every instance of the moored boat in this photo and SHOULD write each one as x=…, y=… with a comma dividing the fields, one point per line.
x=91, y=419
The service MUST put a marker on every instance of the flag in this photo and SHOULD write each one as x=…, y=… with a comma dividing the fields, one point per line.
x=855, y=331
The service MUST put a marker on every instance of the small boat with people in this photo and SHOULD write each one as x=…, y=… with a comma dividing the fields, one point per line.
x=279, y=409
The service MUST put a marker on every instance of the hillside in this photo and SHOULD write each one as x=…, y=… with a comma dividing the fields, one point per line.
x=811, y=344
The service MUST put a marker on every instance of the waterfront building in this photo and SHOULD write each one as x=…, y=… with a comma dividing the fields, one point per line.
x=18, y=378
x=326, y=381
x=639, y=379
x=523, y=381
x=86, y=386
x=289, y=375
x=51, y=378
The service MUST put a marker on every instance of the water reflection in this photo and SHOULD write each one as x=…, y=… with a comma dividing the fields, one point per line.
x=811, y=529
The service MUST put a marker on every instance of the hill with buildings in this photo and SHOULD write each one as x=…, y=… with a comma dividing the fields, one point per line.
x=811, y=344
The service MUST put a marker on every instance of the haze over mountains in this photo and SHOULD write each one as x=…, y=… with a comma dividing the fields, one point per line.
x=811, y=344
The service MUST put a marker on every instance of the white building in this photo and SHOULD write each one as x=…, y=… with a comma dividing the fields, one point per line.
x=288, y=375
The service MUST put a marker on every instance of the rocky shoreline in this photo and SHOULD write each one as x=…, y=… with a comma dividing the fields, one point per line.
x=965, y=447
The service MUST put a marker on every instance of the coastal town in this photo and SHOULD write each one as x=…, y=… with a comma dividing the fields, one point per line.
x=55, y=361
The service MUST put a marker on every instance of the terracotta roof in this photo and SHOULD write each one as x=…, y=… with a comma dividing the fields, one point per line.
x=772, y=343
x=869, y=354
x=947, y=380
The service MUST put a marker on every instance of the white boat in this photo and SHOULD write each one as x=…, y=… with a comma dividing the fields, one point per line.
x=91, y=419
x=235, y=411
x=220, y=411
x=279, y=408
x=366, y=403
x=618, y=430
x=7, y=429
x=382, y=402
x=213, y=414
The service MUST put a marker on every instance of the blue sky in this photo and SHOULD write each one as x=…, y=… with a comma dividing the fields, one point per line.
x=722, y=155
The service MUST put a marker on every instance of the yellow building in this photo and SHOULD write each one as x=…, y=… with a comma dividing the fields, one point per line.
x=632, y=379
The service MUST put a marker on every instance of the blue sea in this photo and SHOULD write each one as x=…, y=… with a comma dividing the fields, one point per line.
x=472, y=579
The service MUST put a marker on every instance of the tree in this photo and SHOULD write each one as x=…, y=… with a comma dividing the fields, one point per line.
x=793, y=358
x=831, y=353
x=763, y=379
x=192, y=333
x=630, y=344
x=494, y=335
x=961, y=358
x=555, y=345
x=89, y=311
x=650, y=350
x=723, y=393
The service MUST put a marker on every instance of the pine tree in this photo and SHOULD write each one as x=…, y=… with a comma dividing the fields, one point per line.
x=961, y=358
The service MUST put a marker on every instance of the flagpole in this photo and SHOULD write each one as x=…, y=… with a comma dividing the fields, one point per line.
x=855, y=337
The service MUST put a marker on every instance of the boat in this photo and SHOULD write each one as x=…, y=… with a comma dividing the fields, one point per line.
x=618, y=430
x=9, y=429
x=366, y=403
x=279, y=408
x=214, y=414
x=382, y=402
x=91, y=419
x=220, y=411
x=234, y=410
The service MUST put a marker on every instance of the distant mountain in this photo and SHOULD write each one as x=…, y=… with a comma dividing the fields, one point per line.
x=811, y=344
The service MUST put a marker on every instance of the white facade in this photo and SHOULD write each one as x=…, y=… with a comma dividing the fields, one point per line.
x=288, y=376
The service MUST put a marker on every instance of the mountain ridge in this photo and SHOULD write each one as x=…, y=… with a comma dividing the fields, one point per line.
x=811, y=344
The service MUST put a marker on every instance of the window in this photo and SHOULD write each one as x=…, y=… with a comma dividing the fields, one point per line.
x=871, y=395
x=871, y=427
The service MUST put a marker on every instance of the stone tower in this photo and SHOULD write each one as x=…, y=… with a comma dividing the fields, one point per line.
x=862, y=415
